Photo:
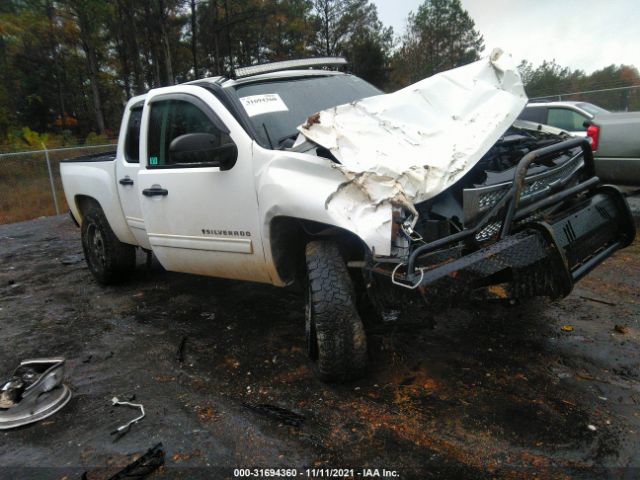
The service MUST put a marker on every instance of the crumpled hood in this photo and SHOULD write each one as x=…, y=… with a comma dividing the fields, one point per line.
x=427, y=135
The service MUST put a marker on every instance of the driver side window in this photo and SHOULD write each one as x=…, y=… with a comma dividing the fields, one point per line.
x=170, y=119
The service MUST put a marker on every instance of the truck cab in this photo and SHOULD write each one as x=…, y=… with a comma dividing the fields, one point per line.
x=199, y=213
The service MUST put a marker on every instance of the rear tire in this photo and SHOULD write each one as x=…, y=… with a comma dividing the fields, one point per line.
x=109, y=260
x=336, y=340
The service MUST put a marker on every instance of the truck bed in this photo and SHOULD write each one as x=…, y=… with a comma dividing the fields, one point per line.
x=93, y=157
x=619, y=135
x=94, y=176
x=618, y=155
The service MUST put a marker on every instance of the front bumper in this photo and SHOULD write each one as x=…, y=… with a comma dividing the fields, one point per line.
x=545, y=258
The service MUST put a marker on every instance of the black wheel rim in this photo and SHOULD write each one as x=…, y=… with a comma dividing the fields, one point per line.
x=96, y=248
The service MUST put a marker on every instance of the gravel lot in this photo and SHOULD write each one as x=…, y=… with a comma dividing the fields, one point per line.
x=493, y=391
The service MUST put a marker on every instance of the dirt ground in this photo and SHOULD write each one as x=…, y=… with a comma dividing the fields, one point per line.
x=493, y=391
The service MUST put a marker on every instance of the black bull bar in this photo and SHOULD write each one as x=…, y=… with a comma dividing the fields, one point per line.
x=543, y=258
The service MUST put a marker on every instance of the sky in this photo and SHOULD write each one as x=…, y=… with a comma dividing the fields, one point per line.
x=580, y=34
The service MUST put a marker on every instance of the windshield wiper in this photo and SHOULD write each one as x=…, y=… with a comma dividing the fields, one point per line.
x=264, y=125
x=292, y=136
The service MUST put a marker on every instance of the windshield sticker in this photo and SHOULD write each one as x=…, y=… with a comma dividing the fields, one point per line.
x=266, y=103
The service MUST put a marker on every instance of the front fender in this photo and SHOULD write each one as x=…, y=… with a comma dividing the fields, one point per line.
x=304, y=186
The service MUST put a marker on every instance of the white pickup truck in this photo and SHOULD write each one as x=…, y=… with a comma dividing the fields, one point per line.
x=290, y=175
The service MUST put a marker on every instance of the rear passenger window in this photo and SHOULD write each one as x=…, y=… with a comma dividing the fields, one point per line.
x=132, y=140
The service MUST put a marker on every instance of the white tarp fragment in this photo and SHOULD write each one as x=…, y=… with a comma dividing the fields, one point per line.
x=410, y=145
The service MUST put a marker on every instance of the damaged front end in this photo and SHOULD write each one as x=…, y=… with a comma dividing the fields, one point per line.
x=532, y=229
x=472, y=202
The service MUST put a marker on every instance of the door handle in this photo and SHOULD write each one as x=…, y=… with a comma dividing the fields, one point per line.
x=155, y=191
x=126, y=181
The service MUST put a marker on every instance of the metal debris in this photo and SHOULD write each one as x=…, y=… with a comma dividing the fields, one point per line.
x=34, y=391
x=622, y=329
x=142, y=467
x=273, y=411
x=180, y=352
x=72, y=259
x=597, y=300
x=121, y=430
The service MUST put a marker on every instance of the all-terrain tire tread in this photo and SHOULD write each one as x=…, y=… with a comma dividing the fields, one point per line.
x=339, y=329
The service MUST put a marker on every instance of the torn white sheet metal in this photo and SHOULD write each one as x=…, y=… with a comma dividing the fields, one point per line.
x=410, y=145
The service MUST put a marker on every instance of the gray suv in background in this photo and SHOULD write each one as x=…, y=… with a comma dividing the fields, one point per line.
x=615, y=137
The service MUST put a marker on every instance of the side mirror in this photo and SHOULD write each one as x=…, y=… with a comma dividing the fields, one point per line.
x=202, y=150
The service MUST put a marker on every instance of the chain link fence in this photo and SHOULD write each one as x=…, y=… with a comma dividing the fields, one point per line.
x=30, y=185
x=619, y=99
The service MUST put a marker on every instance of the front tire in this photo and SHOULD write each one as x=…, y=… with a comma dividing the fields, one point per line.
x=109, y=260
x=336, y=340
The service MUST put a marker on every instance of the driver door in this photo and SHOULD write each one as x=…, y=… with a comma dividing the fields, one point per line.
x=200, y=218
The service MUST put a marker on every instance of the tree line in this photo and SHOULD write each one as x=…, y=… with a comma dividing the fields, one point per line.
x=68, y=66
x=608, y=87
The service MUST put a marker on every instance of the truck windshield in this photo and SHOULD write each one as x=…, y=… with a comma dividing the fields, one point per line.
x=280, y=106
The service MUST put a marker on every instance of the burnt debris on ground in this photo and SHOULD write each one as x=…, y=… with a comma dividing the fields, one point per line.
x=492, y=390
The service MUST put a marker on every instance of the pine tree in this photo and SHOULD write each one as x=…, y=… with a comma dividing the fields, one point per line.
x=440, y=35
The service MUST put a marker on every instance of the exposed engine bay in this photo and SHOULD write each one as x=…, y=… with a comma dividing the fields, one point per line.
x=461, y=205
